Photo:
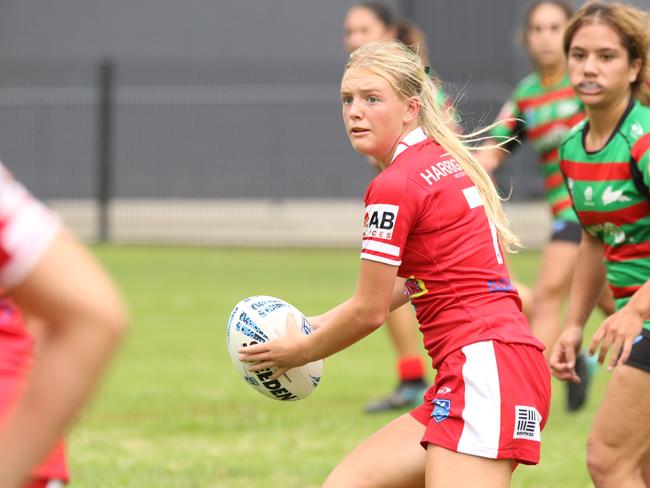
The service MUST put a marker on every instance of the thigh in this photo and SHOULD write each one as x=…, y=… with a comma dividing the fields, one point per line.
x=557, y=265
x=447, y=469
x=391, y=457
x=622, y=423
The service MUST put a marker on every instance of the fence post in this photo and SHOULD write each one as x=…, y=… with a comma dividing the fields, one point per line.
x=105, y=92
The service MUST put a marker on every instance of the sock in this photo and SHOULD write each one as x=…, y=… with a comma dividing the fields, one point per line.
x=410, y=368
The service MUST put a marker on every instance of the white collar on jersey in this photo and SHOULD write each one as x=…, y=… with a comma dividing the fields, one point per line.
x=414, y=137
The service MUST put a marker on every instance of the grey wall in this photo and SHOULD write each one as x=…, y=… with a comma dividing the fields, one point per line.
x=192, y=29
x=223, y=99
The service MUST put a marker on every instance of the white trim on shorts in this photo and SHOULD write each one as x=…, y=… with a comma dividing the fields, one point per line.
x=482, y=412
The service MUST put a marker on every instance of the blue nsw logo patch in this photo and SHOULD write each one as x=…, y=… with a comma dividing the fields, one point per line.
x=441, y=409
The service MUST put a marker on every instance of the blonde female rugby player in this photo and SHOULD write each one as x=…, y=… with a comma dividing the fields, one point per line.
x=435, y=230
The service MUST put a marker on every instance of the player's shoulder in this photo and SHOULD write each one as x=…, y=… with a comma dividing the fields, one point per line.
x=573, y=136
x=527, y=86
x=637, y=123
x=636, y=130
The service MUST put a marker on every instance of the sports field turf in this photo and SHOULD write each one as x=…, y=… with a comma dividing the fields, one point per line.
x=173, y=413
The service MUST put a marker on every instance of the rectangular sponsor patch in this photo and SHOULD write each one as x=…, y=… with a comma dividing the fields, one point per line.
x=379, y=221
x=527, y=423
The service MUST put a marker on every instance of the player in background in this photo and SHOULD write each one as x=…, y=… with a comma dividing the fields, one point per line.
x=376, y=21
x=606, y=163
x=52, y=278
x=435, y=230
x=542, y=109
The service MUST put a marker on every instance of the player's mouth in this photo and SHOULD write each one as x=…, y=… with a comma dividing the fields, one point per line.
x=589, y=88
x=359, y=131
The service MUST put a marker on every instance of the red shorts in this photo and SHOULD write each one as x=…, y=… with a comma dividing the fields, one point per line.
x=15, y=361
x=490, y=400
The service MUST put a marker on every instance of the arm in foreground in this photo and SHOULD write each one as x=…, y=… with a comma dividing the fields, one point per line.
x=83, y=320
x=587, y=286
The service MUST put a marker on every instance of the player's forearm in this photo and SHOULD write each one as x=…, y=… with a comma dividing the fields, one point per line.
x=640, y=301
x=589, y=280
x=317, y=321
x=345, y=324
x=69, y=362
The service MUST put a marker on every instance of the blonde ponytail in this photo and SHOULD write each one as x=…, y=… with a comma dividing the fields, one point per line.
x=403, y=69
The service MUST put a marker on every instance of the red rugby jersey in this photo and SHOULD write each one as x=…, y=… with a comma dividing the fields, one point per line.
x=426, y=216
x=27, y=228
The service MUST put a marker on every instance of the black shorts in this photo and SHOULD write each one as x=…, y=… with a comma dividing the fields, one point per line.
x=565, y=230
x=640, y=355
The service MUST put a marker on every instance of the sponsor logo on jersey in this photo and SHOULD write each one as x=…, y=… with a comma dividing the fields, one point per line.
x=442, y=169
x=636, y=130
x=589, y=196
x=441, y=408
x=415, y=287
x=502, y=284
x=527, y=423
x=611, y=196
x=607, y=228
x=379, y=221
x=569, y=182
x=443, y=390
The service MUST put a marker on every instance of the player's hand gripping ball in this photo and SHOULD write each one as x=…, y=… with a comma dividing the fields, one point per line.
x=260, y=319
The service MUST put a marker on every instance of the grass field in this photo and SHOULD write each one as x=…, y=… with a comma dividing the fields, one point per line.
x=173, y=413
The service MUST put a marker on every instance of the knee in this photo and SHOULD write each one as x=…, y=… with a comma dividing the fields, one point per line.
x=598, y=461
x=605, y=462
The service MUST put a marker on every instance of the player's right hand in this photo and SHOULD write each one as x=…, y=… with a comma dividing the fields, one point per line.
x=564, y=353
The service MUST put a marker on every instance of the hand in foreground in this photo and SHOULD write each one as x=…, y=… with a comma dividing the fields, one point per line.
x=564, y=352
x=282, y=354
x=617, y=334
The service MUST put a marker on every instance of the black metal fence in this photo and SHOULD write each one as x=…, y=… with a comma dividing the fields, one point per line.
x=99, y=132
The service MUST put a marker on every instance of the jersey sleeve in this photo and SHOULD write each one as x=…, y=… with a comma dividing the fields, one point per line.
x=509, y=125
x=27, y=228
x=389, y=216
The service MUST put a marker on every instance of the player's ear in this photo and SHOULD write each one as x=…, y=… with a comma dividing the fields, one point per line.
x=412, y=109
x=635, y=67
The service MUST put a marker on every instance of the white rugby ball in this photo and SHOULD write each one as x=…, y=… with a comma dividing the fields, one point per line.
x=262, y=319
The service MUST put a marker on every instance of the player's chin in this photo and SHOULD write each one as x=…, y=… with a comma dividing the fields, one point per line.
x=362, y=146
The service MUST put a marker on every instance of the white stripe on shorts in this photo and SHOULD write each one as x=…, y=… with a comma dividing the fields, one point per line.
x=482, y=413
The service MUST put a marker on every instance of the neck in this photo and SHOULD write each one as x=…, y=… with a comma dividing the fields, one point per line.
x=553, y=74
x=603, y=121
x=385, y=161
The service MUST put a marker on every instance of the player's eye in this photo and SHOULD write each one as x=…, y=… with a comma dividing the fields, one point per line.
x=373, y=99
x=346, y=99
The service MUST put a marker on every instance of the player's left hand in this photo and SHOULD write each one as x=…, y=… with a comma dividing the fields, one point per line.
x=616, y=335
x=282, y=354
